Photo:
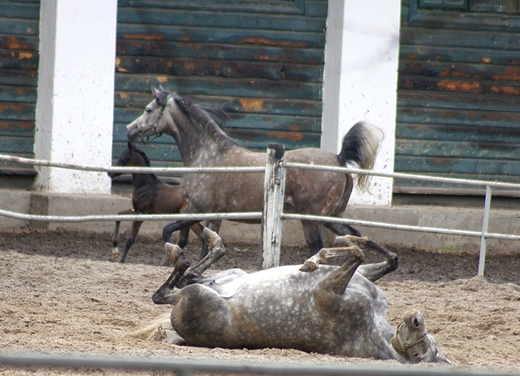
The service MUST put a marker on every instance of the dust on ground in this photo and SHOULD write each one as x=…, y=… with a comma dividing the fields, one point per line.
x=61, y=293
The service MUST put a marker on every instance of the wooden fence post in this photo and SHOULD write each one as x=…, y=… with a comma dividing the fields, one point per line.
x=274, y=189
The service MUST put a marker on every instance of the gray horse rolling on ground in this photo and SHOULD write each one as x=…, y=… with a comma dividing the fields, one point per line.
x=314, y=307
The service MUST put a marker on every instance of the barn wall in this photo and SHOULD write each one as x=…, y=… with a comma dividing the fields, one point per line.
x=459, y=96
x=262, y=62
x=18, y=78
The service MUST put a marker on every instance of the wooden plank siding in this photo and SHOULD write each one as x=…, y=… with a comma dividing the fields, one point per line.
x=18, y=80
x=262, y=62
x=458, y=109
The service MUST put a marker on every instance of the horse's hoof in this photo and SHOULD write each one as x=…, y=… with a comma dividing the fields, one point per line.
x=115, y=252
x=212, y=238
x=172, y=251
x=309, y=266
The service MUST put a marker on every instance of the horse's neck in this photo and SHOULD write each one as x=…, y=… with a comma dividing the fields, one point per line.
x=197, y=148
x=141, y=180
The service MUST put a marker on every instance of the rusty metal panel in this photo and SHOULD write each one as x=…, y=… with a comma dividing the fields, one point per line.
x=262, y=62
x=458, y=96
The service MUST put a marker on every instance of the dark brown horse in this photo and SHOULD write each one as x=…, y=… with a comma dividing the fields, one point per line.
x=202, y=143
x=150, y=196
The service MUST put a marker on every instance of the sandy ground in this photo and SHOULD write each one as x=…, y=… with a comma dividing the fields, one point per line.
x=62, y=294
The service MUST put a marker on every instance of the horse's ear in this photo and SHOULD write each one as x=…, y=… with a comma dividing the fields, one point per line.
x=156, y=93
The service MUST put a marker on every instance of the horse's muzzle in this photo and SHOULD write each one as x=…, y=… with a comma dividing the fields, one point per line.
x=132, y=132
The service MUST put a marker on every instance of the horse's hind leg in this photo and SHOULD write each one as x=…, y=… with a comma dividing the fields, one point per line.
x=198, y=230
x=313, y=236
x=342, y=229
x=171, y=227
x=216, y=251
x=184, y=237
x=338, y=280
x=325, y=255
x=374, y=271
x=180, y=264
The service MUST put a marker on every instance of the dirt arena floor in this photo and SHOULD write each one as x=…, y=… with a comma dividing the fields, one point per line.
x=62, y=294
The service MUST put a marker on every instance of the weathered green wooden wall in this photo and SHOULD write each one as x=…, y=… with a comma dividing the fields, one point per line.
x=261, y=61
x=18, y=77
x=459, y=78
x=459, y=96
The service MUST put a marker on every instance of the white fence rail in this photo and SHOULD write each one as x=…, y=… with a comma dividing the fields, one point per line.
x=186, y=368
x=273, y=215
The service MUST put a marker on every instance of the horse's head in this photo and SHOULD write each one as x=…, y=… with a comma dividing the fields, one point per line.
x=412, y=341
x=155, y=120
x=131, y=156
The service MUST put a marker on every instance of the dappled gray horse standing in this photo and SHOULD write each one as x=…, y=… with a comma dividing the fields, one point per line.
x=202, y=143
x=314, y=308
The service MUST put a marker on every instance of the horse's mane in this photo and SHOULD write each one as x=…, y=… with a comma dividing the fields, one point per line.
x=146, y=160
x=143, y=154
x=199, y=115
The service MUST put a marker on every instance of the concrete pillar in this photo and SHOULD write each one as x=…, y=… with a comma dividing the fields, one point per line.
x=75, y=105
x=360, y=81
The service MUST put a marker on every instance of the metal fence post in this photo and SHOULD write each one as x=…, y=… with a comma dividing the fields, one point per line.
x=274, y=189
x=485, y=225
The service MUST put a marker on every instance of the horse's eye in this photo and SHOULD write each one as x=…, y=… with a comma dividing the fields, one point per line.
x=148, y=109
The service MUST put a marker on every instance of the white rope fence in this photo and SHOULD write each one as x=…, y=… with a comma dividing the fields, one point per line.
x=271, y=230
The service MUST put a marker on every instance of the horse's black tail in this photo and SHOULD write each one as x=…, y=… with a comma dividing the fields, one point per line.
x=360, y=146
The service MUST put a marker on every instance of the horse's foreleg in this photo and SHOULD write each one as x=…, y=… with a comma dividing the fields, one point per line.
x=115, y=238
x=131, y=239
x=342, y=229
x=180, y=264
x=313, y=236
x=213, y=226
x=216, y=251
x=374, y=271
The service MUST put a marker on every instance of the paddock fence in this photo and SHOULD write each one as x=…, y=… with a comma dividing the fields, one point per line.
x=272, y=216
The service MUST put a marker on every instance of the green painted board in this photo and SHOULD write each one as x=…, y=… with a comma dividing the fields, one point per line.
x=263, y=53
x=274, y=106
x=251, y=88
x=207, y=19
x=174, y=66
x=246, y=37
x=458, y=110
